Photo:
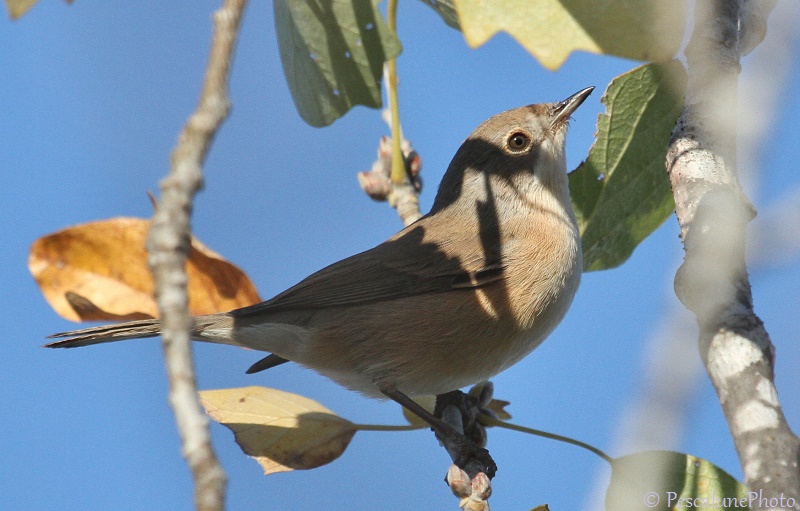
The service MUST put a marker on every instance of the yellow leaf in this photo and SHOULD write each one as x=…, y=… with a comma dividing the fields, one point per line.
x=17, y=8
x=282, y=431
x=650, y=30
x=428, y=403
x=98, y=271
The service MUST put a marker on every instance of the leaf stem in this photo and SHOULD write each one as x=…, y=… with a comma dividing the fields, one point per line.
x=490, y=421
x=388, y=427
x=398, y=175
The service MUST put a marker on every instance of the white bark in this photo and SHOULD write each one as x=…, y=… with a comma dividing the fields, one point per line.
x=712, y=282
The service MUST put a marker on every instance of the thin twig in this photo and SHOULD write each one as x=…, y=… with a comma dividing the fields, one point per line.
x=168, y=244
x=713, y=214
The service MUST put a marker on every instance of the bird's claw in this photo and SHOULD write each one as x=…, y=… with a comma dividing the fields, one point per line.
x=473, y=459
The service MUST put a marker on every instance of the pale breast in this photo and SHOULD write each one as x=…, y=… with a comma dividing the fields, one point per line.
x=438, y=342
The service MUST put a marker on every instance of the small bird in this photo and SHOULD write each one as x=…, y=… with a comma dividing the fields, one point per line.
x=451, y=300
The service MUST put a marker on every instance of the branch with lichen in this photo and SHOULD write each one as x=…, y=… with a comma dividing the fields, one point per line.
x=712, y=282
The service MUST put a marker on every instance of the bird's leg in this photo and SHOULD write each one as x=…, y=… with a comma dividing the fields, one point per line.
x=462, y=410
x=465, y=453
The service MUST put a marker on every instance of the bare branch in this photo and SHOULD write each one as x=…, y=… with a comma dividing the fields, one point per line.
x=712, y=282
x=168, y=245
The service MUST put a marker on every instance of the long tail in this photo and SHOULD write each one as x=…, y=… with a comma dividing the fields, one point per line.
x=107, y=333
x=152, y=328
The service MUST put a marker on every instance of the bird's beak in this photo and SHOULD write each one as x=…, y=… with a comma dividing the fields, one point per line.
x=563, y=109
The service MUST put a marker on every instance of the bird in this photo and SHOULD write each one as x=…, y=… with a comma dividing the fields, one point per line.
x=453, y=299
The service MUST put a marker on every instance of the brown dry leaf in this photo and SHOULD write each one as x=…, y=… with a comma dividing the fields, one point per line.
x=282, y=431
x=98, y=271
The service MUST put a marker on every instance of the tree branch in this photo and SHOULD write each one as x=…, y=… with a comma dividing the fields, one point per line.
x=395, y=174
x=712, y=282
x=168, y=244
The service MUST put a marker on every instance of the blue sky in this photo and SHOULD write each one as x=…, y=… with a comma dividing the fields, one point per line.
x=94, y=95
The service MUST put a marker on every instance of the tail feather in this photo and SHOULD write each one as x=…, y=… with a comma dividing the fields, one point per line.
x=152, y=328
x=107, y=333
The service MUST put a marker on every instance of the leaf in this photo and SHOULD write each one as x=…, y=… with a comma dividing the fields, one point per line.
x=282, y=431
x=621, y=193
x=498, y=406
x=18, y=8
x=333, y=54
x=447, y=10
x=550, y=30
x=658, y=480
x=428, y=403
x=98, y=271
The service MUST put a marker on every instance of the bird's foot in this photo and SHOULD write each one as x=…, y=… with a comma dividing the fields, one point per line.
x=465, y=445
x=472, y=459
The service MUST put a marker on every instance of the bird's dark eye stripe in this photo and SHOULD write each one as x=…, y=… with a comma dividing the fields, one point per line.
x=518, y=142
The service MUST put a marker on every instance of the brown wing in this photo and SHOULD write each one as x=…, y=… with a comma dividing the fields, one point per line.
x=405, y=265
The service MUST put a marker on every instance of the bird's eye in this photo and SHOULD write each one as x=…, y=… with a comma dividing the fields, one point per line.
x=518, y=142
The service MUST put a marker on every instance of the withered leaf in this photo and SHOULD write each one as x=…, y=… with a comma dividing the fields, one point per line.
x=98, y=271
x=282, y=431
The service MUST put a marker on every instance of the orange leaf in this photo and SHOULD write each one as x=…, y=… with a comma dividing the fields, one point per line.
x=98, y=271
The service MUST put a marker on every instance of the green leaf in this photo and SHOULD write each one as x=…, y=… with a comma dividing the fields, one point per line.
x=671, y=481
x=447, y=10
x=333, y=54
x=551, y=29
x=621, y=193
